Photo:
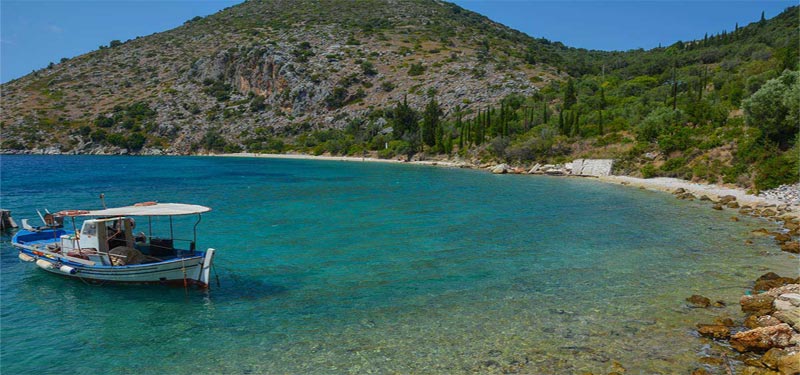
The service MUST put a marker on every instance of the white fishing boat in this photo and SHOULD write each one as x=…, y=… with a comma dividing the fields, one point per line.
x=110, y=249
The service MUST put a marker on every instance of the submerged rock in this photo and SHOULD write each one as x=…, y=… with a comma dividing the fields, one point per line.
x=717, y=207
x=697, y=300
x=782, y=238
x=792, y=247
x=771, y=280
x=714, y=331
x=727, y=322
x=751, y=370
x=753, y=321
x=786, y=362
x=759, y=304
x=762, y=338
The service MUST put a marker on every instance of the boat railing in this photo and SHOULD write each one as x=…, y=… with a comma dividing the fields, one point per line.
x=161, y=244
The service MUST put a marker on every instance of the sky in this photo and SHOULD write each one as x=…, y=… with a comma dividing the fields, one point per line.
x=35, y=33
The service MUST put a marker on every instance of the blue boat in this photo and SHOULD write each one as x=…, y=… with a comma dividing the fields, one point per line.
x=106, y=249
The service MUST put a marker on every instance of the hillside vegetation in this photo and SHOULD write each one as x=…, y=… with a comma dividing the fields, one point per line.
x=422, y=78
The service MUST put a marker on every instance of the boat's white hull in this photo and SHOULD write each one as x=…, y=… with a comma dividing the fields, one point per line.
x=187, y=271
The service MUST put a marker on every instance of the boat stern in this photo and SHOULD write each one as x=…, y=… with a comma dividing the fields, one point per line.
x=205, y=271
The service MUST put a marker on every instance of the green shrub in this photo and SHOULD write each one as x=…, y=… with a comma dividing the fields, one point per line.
x=649, y=171
x=135, y=141
x=778, y=170
x=416, y=69
x=678, y=140
x=657, y=123
x=673, y=164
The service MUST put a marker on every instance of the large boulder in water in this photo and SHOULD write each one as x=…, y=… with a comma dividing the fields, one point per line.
x=763, y=338
x=714, y=331
x=500, y=169
x=698, y=301
x=790, y=317
x=771, y=280
x=759, y=304
x=792, y=247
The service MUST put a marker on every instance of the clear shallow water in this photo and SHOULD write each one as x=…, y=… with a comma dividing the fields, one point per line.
x=337, y=267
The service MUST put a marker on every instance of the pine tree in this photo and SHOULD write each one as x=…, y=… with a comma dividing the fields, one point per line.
x=763, y=19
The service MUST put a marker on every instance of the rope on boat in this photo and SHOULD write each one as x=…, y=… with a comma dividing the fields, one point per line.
x=214, y=268
x=185, y=283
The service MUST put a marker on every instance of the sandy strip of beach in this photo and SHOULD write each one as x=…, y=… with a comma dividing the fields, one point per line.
x=713, y=191
x=659, y=183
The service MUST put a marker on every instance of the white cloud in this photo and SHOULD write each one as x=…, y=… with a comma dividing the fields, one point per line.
x=54, y=29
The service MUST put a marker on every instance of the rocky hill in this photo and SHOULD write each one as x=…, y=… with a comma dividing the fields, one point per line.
x=281, y=67
x=423, y=78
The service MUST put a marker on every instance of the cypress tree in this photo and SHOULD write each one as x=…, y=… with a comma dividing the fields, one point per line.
x=460, y=127
x=570, y=95
x=488, y=117
x=431, y=122
x=674, y=88
x=602, y=107
x=544, y=111
x=439, y=139
x=763, y=19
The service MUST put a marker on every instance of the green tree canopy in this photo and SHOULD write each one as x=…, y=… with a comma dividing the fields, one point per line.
x=775, y=108
x=431, y=122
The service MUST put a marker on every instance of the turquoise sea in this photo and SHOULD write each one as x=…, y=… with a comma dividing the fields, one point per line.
x=349, y=267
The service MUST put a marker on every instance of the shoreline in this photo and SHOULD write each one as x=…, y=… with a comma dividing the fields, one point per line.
x=367, y=159
x=662, y=184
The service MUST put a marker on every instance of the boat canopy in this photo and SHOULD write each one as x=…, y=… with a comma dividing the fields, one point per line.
x=141, y=209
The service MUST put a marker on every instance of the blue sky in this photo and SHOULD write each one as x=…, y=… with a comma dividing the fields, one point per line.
x=34, y=33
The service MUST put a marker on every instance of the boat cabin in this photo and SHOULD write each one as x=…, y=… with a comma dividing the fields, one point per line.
x=98, y=237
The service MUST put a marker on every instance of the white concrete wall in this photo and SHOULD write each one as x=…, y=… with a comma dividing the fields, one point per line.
x=592, y=167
